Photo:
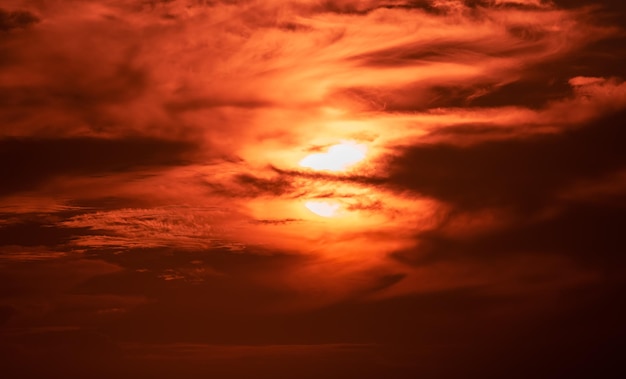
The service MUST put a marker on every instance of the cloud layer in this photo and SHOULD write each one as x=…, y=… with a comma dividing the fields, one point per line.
x=153, y=211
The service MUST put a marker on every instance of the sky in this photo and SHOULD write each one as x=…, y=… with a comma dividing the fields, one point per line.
x=312, y=188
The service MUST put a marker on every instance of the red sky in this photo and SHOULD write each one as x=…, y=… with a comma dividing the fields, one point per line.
x=157, y=219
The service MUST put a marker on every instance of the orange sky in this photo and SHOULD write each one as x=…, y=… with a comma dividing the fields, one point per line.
x=308, y=188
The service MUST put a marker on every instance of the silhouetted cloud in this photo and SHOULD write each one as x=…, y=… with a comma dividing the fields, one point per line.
x=523, y=173
x=17, y=19
x=35, y=160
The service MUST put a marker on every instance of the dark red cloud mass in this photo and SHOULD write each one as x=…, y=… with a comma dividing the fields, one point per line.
x=312, y=189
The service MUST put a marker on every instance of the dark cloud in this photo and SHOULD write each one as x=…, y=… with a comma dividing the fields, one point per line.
x=10, y=20
x=588, y=234
x=356, y=7
x=277, y=221
x=523, y=174
x=614, y=7
x=58, y=85
x=35, y=160
x=196, y=104
x=534, y=91
x=533, y=84
x=221, y=264
x=107, y=202
x=37, y=234
x=116, y=84
x=439, y=50
x=250, y=186
x=547, y=81
x=257, y=186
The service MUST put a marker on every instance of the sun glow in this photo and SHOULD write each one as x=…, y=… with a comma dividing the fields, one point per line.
x=323, y=208
x=338, y=157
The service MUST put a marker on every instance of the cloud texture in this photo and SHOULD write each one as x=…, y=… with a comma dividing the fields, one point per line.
x=154, y=218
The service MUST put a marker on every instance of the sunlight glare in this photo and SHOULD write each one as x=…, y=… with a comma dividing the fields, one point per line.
x=337, y=158
x=322, y=208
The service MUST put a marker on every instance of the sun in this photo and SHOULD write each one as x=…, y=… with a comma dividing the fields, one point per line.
x=338, y=157
x=323, y=208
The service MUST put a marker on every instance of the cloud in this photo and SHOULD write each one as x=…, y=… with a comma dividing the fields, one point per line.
x=37, y=160
x=153, y=206
x=155, y=111
x=179, y=227
x=36, y=234
x=252, y=186
x=523, y=173
x=18, y=19
x=124, y=87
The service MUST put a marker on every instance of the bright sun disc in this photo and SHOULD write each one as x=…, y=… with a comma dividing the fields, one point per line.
x=337, y=158
x=322, y=208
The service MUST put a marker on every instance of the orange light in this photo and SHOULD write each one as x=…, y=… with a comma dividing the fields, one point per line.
x=338, y=157
x=323, y=208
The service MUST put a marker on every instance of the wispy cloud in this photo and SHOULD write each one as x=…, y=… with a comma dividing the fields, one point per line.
x=184, y=228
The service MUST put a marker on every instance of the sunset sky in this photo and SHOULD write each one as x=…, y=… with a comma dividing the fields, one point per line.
x=312, y=189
